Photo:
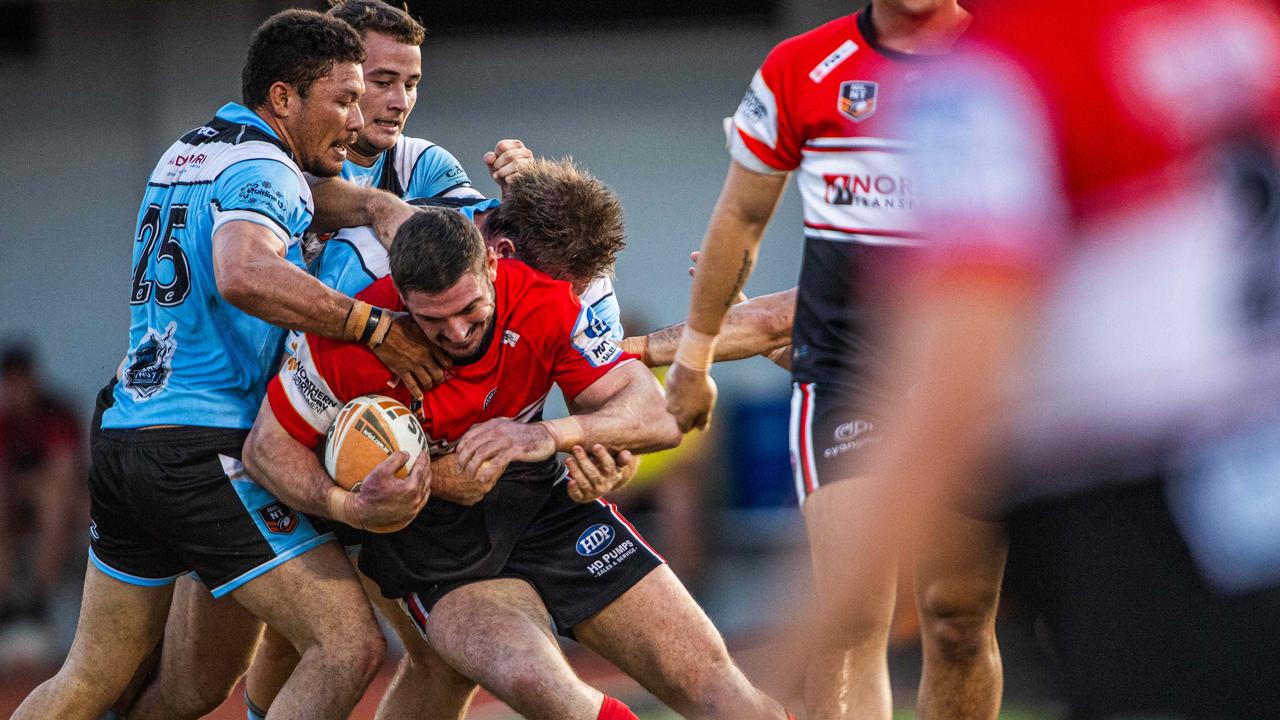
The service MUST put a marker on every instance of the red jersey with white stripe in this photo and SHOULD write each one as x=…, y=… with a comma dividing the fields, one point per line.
x=541, y=335
x=1132, y=173
x=820, y=107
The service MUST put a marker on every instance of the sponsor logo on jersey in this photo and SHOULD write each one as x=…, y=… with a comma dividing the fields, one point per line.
x=151, y=367
x=824, y=68
x=752, y=107
x=858, y=99
x=592, y=338
x=595, y=540
x=262, y=192
x=93, y=530
x=192, y=159
x=317, y=399
x=489, y=398
x=510, y=338
x=871, y=191
x=454, y=172
x=279, y=518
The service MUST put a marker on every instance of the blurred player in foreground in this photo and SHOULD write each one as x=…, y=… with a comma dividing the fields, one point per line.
x=382, y=163
x=467, y=574
x=216, y=260
x=820, y=106
x=1100, y=323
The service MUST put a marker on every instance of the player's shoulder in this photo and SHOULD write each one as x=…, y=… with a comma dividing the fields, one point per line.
x=526, y=295
x=413, y=147
x=382, y=293
x=234, y=136
x=812, y=46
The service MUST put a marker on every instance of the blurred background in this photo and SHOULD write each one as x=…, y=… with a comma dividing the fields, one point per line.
x=635, y=91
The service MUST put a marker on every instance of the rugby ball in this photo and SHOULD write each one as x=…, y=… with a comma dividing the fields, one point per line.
x=369, y=429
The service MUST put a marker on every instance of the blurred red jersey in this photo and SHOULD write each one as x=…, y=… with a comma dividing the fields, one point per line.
x=541, y=335
x=1122, y=153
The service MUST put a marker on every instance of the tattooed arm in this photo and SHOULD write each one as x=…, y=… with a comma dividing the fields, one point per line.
x=746, y=203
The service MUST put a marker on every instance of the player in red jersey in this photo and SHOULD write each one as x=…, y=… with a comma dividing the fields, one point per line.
x=467, y=574
x=819, y=108
x=1100, y=322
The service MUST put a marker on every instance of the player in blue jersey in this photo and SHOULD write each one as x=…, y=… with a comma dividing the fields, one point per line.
x=216, y=269
x=380, y=159
x=209, y=644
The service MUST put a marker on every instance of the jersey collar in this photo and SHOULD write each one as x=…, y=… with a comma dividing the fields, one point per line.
x=869, y=34
x=234, y=112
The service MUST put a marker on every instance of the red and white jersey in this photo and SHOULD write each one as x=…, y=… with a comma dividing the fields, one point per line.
x=541, y=335
x=817, y=106
x=1121, y=155
x=822, y=105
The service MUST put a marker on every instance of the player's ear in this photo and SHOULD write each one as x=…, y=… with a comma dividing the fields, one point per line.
x=279, y=97
x=505, y=248
x=491, y=263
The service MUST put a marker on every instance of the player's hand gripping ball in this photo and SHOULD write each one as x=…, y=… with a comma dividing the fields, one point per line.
x=367, y=431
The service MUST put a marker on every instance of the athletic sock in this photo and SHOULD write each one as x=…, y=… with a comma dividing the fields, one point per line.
x=614, y=709
x=253, y=712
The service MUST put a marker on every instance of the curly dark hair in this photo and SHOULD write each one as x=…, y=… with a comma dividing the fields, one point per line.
x=296, y=47
x=433, y=250
x=562, y=220
x=378, y=16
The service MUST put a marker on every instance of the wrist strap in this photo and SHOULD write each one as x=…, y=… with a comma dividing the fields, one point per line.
x=565, y=432
x=381, y=321
x=357, y=320
x=697, y=350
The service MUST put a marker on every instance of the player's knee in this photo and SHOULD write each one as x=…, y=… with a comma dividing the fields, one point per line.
x=423, y=668
x=958, y=625
x=357, y=655
x=718, y=689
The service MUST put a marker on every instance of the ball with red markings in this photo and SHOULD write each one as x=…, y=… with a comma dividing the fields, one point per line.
x=369, y=429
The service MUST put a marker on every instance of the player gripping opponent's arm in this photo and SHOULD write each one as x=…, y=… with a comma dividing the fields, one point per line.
x=291, y=471
x=253, y=275
x=756, y=326
x=623, y=409
x=590, y=476
x=729, y=249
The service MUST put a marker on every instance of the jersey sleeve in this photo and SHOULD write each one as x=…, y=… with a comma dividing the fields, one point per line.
x=316, y=380
x=263, y=191
x=762, y=135
x=603, y=301
x=437, y=173
x=988, y=169
x=341, y=267
x=583, y=350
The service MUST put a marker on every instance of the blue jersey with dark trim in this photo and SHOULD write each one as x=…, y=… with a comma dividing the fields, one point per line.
x=413, y=168
x=194, y=358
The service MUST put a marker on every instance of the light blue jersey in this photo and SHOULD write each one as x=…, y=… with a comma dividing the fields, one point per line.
x=413, y=168
x=194, y=358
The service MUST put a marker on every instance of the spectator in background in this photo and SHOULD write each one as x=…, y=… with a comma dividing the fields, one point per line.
x=41, y=495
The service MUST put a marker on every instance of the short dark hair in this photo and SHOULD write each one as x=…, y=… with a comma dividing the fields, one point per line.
x=562, y=220
x=434, y=249
x=378, y=16
x=296, y=47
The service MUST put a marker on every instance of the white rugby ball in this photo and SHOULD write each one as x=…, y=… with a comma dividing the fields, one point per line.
x=369, y=429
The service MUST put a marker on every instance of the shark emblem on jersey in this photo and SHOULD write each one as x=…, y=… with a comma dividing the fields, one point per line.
x=149, y=372
x=858, y=99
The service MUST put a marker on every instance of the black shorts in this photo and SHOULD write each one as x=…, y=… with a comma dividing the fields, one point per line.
x=579, y=557
x=168, y=501
x=1134, y=627
x=831, y=431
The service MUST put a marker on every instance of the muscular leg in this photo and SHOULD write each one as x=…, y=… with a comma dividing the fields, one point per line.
x=958, y=575
x=848, y=673
x=119, y=625
x=316, y=603
x=498, y=633
x=207, y=647
x=424, y=686
x=272, y=665
x=657, y=634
